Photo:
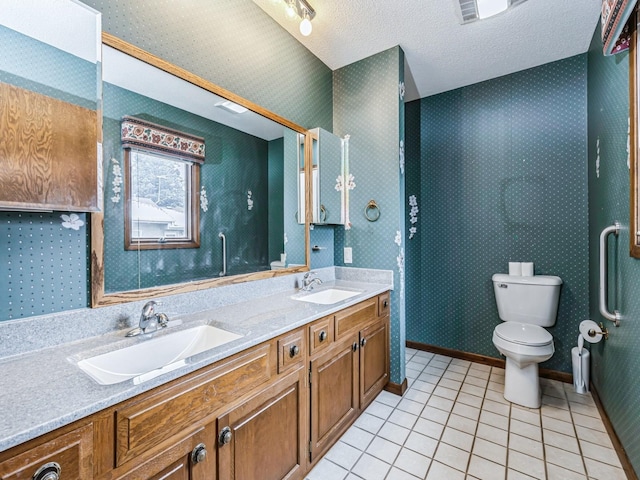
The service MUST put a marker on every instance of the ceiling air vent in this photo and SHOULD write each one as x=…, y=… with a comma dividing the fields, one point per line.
x=472, y=10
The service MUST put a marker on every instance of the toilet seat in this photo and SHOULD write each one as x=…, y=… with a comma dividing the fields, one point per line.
x=523, y=334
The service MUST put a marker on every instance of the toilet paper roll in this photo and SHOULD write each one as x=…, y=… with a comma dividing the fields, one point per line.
x=590, y=331
x=515, y=268
x=527, y=269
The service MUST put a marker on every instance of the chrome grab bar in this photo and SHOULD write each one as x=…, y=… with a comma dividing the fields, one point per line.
x=224, y=254
x=604, y=275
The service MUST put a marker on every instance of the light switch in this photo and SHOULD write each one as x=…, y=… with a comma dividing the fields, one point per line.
x=348, y=255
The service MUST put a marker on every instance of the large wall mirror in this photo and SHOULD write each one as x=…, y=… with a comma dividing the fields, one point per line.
x=634, y=107
x=200, y=186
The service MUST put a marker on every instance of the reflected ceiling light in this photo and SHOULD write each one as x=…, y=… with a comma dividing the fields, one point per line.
x=302, y=9
x=472, y=10
x=229, y=106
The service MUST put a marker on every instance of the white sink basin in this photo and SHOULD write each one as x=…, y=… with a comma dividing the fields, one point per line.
x=153, y=357
x=326, y=297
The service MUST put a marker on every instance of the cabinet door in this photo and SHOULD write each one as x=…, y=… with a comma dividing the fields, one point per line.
x=191, y=457
x=69, y=454
x=374, y=360
x=334, y=394
x=265, y=437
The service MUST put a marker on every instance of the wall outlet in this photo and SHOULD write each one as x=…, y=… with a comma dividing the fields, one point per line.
x=348, y=255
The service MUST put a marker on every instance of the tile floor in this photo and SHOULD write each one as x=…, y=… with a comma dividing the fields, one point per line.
x=453, y=423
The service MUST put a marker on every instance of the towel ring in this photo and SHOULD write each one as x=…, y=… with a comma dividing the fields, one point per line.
x=372, y=211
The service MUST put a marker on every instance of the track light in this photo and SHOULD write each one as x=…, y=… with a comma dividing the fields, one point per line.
x=302, y=9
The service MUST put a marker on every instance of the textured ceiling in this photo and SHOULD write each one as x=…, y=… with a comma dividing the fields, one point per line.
x=440, y=53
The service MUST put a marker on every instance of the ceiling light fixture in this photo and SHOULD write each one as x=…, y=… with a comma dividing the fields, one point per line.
x=472, y=10
x=229, y=106
x=302, y=9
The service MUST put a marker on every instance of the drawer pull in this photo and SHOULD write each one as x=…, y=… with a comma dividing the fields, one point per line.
x=199, y=454
x=48, y=471
x=363, y=342
x=322, y=336
x=225, y=436
x=294, y=350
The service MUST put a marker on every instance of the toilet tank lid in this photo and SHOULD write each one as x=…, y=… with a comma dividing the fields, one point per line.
x=522, y=280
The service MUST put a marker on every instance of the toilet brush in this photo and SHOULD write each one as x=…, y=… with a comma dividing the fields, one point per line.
x=580, y=386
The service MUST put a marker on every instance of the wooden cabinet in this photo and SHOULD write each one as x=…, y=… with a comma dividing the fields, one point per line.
x=266, y=413
x=192, y=457
x=49, y=96
x=347, y=370
x=334, y=394
x=69, y=456
x=265, y=437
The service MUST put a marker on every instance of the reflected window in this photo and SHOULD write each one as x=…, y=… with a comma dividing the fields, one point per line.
x=161, y=192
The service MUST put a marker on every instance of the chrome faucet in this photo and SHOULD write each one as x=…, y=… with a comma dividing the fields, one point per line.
x=309, y=279
x=150, y=321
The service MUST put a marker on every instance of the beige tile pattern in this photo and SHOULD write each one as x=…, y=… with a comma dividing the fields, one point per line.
x=454, y=424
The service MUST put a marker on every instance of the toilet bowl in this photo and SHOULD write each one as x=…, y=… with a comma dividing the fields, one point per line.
x=526, y=305
x=524, y=346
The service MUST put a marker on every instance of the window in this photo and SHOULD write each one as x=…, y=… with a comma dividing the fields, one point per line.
x=162, y=183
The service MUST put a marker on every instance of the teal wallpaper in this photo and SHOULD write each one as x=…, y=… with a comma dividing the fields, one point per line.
x=231, y=43
x=236, y=163
x=615, y=361
x=367, y=106
x=503, y=178
x=39, y=67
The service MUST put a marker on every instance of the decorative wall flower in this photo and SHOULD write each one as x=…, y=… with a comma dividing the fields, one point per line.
x=401, y=90
x=286, y=240
x=398, y=239
x=249, y=200
x=598, y=157
x=117, y=180
x=413, y=215
x=351, y=184
x=71, y=221
x=401, y=157
x=204, y=202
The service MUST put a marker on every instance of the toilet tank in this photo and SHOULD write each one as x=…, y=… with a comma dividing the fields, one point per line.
x=532, y=300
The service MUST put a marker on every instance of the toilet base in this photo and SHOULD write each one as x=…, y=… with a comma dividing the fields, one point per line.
x=522, y=384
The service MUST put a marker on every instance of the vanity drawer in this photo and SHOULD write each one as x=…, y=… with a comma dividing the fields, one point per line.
x=72, y=452
x=143, y=423
x=291, y=350
x=355, y=317
x=321, y=334
x=384, y=304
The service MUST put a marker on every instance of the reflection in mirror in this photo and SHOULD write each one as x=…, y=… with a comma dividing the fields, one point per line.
x=328, y=173
x=634, y=107
x=246, y=198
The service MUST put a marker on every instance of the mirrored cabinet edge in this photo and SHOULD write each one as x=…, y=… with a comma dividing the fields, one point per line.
x=634, y=111
x=99, y=297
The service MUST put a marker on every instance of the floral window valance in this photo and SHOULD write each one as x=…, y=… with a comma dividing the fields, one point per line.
x=616, y=33
x=142, y=134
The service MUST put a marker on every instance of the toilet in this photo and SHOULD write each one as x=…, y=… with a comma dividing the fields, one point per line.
x=525, y=305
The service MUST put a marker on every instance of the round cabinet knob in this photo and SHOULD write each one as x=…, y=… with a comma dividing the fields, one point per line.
x=355, y=346
x=322, y=336
x=363, y=342
x=294, y=350
x=48, y=471
x=225, y=436
x=199, y=454
x=385, y=304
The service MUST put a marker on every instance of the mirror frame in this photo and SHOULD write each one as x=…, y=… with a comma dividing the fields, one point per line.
x=634, y=141
x=98, y=296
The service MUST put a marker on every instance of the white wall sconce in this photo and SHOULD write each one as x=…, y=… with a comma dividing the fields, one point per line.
x=301, y=9
x=472, y=10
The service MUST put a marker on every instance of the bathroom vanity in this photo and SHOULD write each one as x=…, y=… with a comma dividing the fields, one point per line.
x=259, y=408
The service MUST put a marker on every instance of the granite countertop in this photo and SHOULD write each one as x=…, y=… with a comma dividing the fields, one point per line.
x=45, y=389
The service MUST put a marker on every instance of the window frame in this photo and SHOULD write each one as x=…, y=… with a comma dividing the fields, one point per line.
x=192, y=239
